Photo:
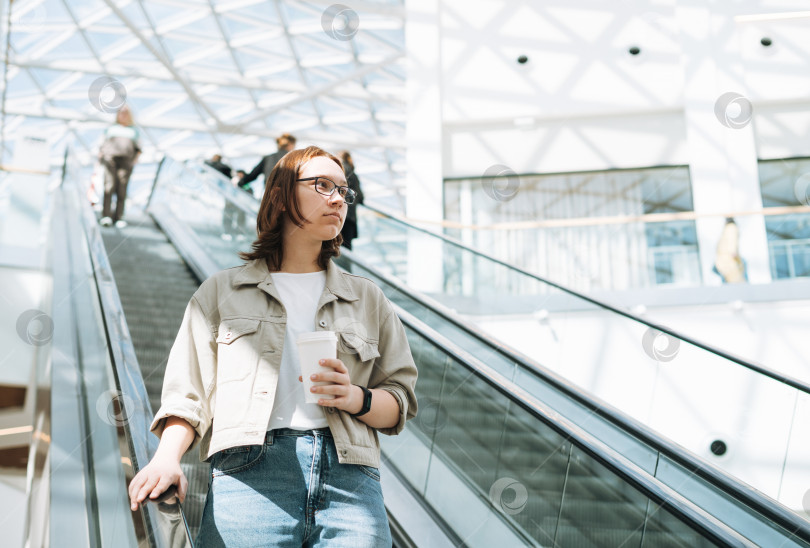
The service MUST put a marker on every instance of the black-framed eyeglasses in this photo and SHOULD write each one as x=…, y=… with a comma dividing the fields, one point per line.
x=327, y=187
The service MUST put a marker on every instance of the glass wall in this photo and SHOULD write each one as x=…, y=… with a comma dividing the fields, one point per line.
x=785, y=183
x=590, y=230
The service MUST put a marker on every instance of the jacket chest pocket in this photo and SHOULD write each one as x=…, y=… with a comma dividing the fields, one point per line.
x=237, y=349
x=358, y=348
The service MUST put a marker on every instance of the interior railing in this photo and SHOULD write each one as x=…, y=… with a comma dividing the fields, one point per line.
x=95, y=377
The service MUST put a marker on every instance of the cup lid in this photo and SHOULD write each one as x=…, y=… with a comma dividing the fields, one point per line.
x=316, y=336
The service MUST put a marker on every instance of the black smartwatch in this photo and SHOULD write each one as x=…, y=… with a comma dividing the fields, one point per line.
x=366, y=401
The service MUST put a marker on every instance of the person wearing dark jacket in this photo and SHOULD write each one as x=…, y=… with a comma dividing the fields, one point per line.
x=349, y=231
x=217, y=163
x=286, y=143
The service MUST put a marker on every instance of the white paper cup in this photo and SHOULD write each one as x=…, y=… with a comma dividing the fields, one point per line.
x=313, y=347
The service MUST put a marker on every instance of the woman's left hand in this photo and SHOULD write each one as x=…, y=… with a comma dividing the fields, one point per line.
x=347, y=396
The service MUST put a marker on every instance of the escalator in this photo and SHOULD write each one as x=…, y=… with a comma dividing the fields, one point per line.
x=492, y=459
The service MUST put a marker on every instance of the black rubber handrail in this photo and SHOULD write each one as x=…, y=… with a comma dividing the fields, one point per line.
x=758, y=368
x=125, y=369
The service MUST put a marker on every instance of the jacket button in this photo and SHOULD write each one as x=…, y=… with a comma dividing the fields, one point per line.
x=344, y=452
x=322, y=323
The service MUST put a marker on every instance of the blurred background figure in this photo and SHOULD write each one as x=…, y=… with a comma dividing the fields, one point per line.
x=118, y=154
x=349, y=231
x=217, y=163
x=728, y=264
x=233, y=217
x=285, y=143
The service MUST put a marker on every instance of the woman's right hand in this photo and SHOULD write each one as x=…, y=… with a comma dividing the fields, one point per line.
x=154, y=478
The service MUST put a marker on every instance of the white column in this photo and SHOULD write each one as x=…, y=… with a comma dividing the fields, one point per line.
x=722, y=159
x=424, y=138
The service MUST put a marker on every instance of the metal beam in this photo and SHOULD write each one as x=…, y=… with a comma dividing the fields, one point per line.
x=247, y=83
x=164, y=123
x=359, y=73
x=161, y=56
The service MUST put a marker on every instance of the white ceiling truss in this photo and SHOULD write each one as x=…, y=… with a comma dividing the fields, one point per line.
x=206, y=76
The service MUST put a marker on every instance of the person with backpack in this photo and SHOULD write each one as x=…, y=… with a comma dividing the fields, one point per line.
x=118, y=154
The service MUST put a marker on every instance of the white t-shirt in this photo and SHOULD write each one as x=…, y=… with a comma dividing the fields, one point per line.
x=299, y=294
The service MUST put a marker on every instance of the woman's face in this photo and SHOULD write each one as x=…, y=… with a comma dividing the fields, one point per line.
x=325, y=214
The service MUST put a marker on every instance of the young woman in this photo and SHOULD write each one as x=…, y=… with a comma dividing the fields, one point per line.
x=284, y=472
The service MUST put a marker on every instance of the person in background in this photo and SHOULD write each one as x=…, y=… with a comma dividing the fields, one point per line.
x=285, y=472
x=728, y=264
x=349, y=231
x=285, y=143
x=217, y=163
x=233, y=217
x=118, y=154
x=237, y=179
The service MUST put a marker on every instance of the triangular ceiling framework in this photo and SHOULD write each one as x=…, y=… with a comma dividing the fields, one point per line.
x=231, y=72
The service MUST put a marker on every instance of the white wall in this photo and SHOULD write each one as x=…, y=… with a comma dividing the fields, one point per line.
x=593, y=104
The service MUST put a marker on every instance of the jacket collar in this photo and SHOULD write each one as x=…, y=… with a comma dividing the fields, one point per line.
x=255, y=272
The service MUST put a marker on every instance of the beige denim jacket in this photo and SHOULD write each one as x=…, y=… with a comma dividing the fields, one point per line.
x=223, y=368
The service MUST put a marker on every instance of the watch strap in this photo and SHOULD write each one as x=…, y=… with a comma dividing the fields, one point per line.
x=366, y=402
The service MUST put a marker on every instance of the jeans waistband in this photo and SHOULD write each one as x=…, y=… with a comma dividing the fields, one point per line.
x=290, y=432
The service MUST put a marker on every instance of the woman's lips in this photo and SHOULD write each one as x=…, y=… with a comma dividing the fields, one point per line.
x=335, y=215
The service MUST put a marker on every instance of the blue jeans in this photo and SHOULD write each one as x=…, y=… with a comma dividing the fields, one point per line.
x=292, y=491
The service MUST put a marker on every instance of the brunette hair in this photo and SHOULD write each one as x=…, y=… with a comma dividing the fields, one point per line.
x=346, y=158
x=285, y=140
x=280, y=200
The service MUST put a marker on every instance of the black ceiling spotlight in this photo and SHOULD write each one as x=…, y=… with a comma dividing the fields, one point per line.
x=718, y=447
x=522, y=59
x=634, y=50
x=766, y=41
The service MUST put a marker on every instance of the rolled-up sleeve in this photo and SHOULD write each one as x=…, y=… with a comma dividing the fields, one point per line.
x=395, y=371
x=190, y=375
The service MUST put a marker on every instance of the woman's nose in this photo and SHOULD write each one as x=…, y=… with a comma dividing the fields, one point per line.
x=336, y=198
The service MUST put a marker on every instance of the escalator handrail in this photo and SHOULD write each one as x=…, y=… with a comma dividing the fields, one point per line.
x=125, y=368
x=758, y=368
x=611, y=459
x=696, y=465
x=707, y=471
